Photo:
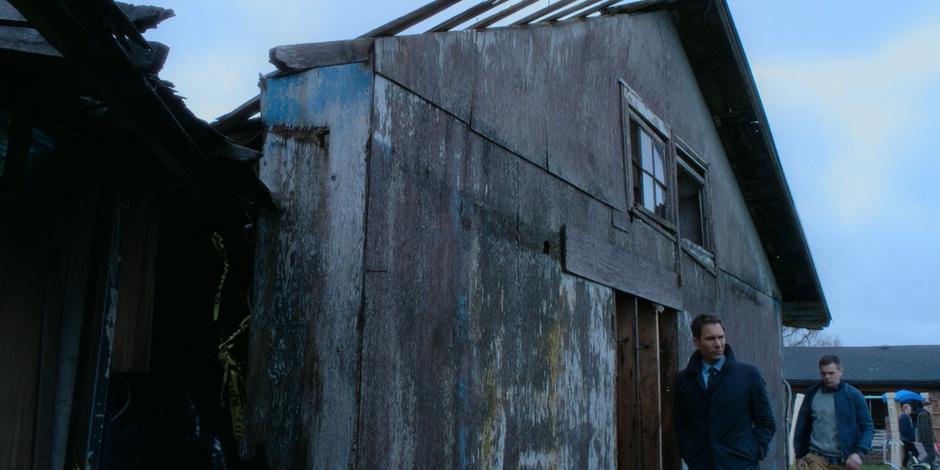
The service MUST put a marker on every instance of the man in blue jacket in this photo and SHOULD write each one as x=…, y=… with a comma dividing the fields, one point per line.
x=906, y=425
x=833, y=429
x=723, y=416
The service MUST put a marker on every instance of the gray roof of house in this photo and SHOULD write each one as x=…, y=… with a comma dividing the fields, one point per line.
x=901, y=366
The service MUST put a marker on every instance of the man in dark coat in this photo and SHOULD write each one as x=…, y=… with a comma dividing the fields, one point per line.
x=723, y=416
x=925, y=433
x=906, y=425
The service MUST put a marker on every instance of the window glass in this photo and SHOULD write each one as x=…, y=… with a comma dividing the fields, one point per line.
x=661, y=200
x=649, y=197
x=659, y=171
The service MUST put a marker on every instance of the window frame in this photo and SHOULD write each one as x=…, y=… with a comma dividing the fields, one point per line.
x=634, y=110
x=689, y=161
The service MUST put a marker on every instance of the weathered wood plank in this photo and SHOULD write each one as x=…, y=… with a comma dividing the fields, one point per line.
x=668, y=366
x=595, y=9
x=300, y=57
x=593, y=258
x=404, y=22
x=133, y=327
x=752, y=327
x=8, y=13
x=27, y=241
x=465, y=15
x=25, y=40
x=63, y=317
x=90, y=399
x=304, y=369
x=574, y=135
x=568, y=11
x=542, y=12
x=648, y=387
x=145, y=17
x=485, y=22
x=237, y=116
x=477, y=350
x=628, y=412
x=643, y=6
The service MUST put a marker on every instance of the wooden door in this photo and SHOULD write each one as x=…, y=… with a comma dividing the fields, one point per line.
x=646, y=368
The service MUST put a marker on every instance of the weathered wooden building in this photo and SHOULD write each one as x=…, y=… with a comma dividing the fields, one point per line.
x=492, y=239
x=110, y=193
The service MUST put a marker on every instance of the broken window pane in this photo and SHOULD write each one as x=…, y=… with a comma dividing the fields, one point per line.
x=690, y=194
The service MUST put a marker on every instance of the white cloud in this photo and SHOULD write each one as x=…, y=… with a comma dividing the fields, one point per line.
x=867, y=103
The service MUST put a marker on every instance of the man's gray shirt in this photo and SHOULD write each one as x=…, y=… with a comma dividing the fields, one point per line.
x=825, y=437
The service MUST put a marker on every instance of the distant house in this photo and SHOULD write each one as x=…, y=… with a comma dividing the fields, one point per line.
x=491, y=241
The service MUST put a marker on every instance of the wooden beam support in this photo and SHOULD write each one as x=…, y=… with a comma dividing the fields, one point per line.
x=567, y=11
x=597, y=8
x=485, y=22
x=10, y=14
x=644, y=6
x=299, y=57
x=25, y=40
x=597, y=260
x=404, y=22
x=544, y=11
x=465, y=15
x=234, y=118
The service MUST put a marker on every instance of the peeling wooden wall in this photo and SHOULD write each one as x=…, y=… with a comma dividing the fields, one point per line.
x=303, y=378
x=412, y=308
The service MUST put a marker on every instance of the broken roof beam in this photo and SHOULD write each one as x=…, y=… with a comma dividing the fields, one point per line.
x=465, y=15
x=299, y=57
x=485, y=22
x=567, y=11
x=91, y=46
x=646, y=6
x=544, y=11
x=404, y=22
x=145, y=17
x=10, y=15
x=26, y=40
x=603, y=6
x=237, y=116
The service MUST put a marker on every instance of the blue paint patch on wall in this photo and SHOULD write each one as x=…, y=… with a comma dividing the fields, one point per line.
x=296, y=100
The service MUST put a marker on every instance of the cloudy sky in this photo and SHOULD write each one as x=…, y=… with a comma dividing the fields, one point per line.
x=851, y=88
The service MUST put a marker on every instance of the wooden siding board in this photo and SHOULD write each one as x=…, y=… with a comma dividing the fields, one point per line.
x=563, y=115
x=607, y=264
x=648, y=386
x=64, y=313
x=752, y=328
x=583, y=132
x=303, y=374
x=24, y=258
x=477, y=349
x=133, y=326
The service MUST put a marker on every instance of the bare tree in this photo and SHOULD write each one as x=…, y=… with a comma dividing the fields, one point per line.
x=797, y=337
